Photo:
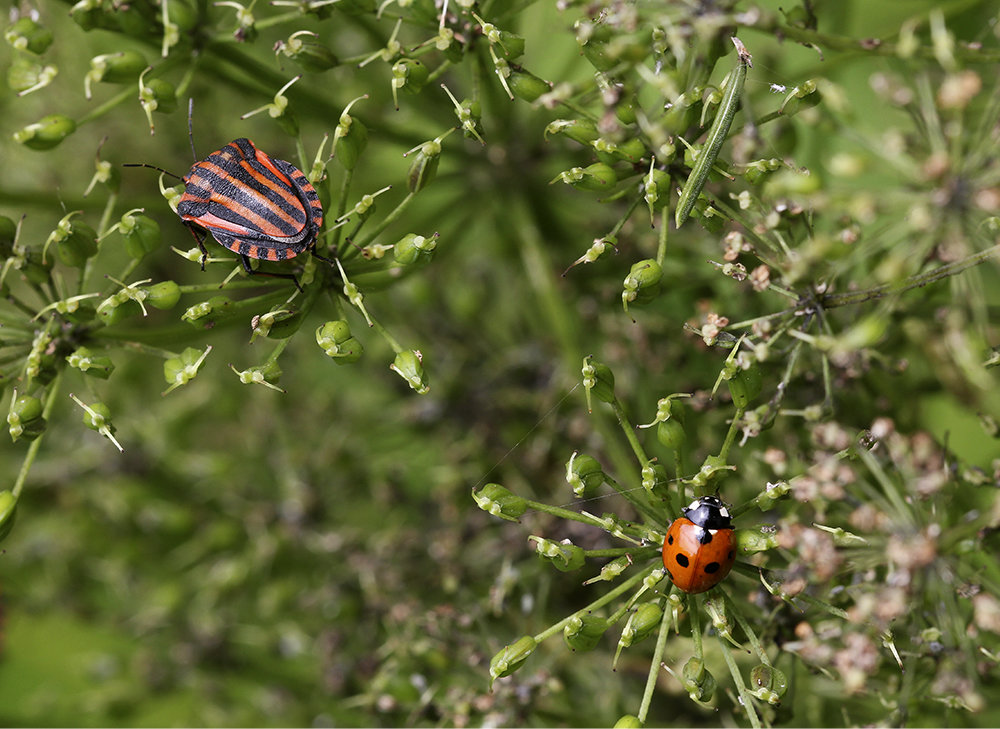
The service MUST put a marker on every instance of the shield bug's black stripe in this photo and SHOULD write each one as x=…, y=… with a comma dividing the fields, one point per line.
x=256, y=206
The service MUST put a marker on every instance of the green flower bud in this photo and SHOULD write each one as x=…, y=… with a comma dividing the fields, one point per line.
x=599, y=379
x=655, y=480
x=583, y=131
x=752, y=541
x=75, y=244
x=8, y=513
x=305, y=49
x=268, y=375
x=771, y=494
x=156, y=95
x=180, y=370
x=745, y=385
x=408, y=74
x=584, y=474
x=612, y=570
x=511, y=658
x=498, y=501
x=409, y=364
x=525, y=85
x=671, y=433
x=564, y=556
x=598, y=177
x=163, y=295
x=206, y=314
x=46, y=133
x=25, y=75
x=350, y=138
x=414, y=249
x=712, y=469
x=716, y=609
x=802, y=97
x=29, y=35
x=99, y=418
x=141, y=233
x=83, y=359
x=627, y=110
x=583, y=632
x=425, y=164
x=628, y=721
x=114, y=68
x=641, y=623
x=698, y=681
x=279, y=324
x=642, y=284
x=116, y=308
x=25, y=418
x=768, y=684
x=336, y=340
x=631, y=150
x=656, y=187
x=756, y=171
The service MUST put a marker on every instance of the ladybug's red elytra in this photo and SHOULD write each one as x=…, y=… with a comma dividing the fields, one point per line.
x=700, y=546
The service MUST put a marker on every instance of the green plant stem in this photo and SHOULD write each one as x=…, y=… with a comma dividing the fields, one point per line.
x=745, y=698
x=654, y=667
x=387, y=220
x=597, y=604
x=735, y=611
x=911, y=282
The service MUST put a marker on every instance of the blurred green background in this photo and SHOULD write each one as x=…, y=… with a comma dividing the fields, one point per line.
x=314, y=557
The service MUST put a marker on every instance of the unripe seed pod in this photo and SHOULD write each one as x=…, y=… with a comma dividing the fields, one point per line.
x=642, y=623
x=114, y=68
x=25, y=75
x=29, y=35
x=642, y=284
x=745, y=385
x=583, y=131
x=408, y=74
x=525, y=85
x=698, y=681
x=671, y=433
x=83, y=359
x=99, y=418
x=414, y=249
x=629, y=150
x=628, y=721
x=498, y=501
x=409, y=365
x=599, y=379
x=349, y=139
x=116, y=308
x=207, y=314
x=76, y=245
x=768, y=684
x=25, y=418
x=163, y=295
x=305, y=49
x=598, y=177
x=583, y=632
x=584, y=474
x=511, y=657
x=46, y=133
x=564, y=556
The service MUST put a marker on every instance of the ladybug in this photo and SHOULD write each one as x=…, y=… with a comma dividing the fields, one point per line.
x=700, y=546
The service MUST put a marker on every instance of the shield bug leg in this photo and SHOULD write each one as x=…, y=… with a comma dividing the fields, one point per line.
x=200, y=240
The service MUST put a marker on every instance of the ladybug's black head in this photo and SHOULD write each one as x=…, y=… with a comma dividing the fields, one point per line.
x=708, y=512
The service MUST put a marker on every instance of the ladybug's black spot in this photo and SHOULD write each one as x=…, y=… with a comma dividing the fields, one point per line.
x=705, y=537
x=670, y=539
x=682, y=560
x=712, y=567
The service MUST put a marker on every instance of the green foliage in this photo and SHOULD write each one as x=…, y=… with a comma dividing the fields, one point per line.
x=307, y=552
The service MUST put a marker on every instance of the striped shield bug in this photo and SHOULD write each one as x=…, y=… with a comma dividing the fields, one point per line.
x=254, y=205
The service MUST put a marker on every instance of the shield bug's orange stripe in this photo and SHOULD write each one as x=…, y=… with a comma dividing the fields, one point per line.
x=283, y=187
x=264, y=224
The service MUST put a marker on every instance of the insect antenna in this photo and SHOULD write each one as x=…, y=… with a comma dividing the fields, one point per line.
x=191, y=127
x=152, y=167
